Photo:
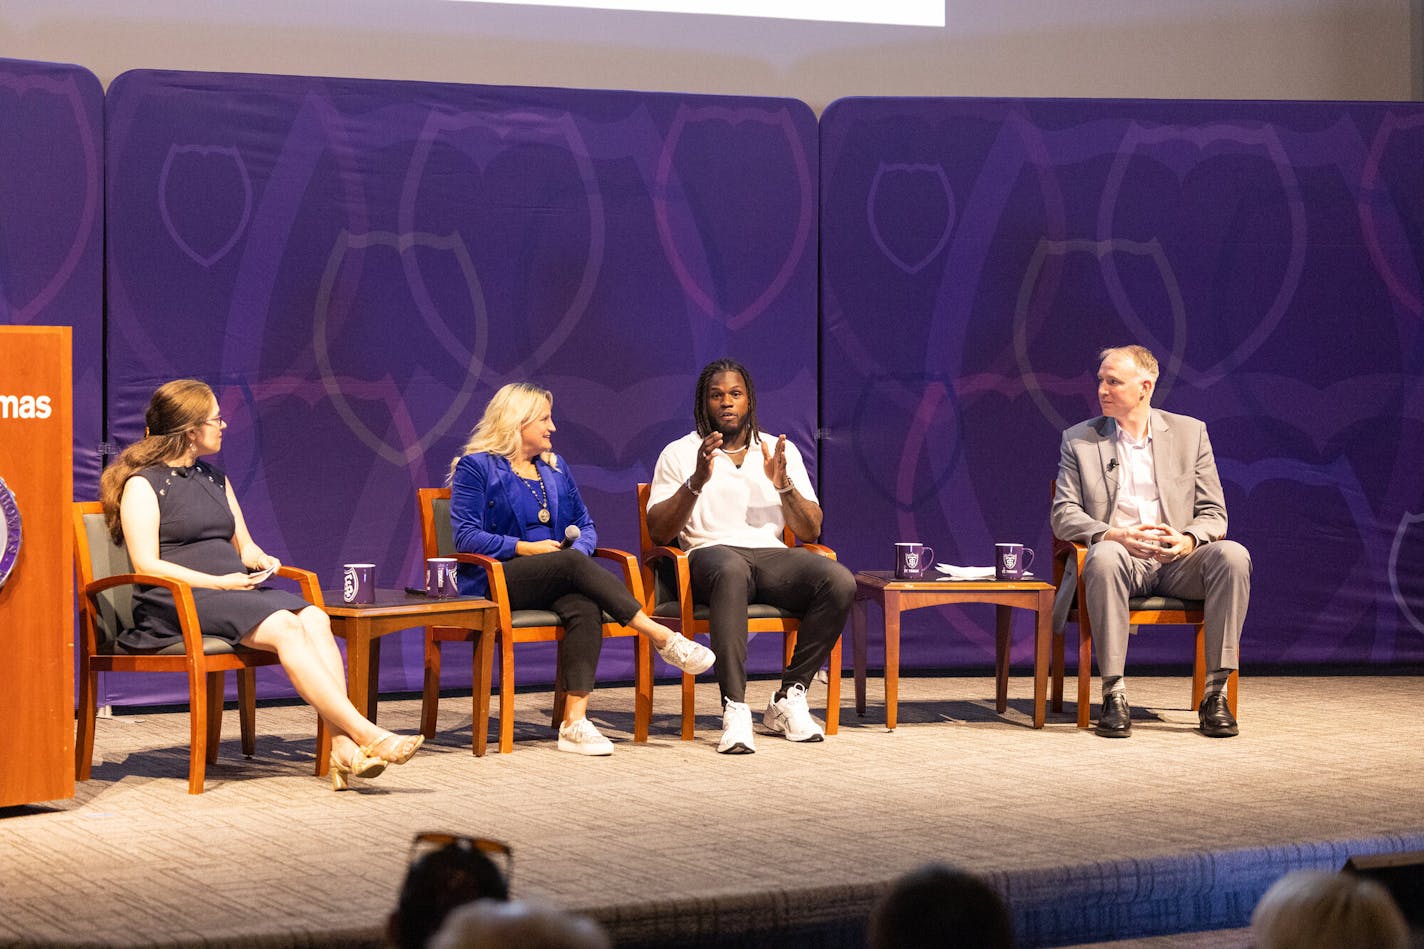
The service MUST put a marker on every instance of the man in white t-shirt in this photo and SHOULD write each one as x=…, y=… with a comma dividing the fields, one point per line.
x=724, y=493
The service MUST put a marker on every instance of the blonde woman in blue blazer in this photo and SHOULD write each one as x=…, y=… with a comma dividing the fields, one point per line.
x=513, y=499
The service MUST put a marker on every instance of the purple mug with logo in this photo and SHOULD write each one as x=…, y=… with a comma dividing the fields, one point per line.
x=440, y=581
x=358, y=583
x=912, y=560
x=1011, y=561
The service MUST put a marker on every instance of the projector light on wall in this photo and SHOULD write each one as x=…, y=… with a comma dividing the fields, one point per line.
x=890, y=12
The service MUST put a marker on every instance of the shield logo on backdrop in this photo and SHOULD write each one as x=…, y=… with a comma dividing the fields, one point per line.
x=910, y=189
x=205, y=200
x=1405, y=555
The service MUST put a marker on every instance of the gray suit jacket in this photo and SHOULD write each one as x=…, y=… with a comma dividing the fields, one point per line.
x=1187, y=482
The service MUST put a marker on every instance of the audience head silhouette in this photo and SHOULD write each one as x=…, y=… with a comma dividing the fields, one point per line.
x=1312, y=909
x=457, y=871
x=485, y=925
x=940, y=906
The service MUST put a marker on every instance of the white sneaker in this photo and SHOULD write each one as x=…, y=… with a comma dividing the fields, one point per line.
x=737, y=737
x=582, y=738
x=687, y=655
x=791, y=717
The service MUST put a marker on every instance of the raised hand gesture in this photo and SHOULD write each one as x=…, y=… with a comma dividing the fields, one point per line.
x=775, y=465
x=706, y=454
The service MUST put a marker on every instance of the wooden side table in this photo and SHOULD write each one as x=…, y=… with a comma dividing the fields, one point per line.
x=363, y=625
x=900, y=596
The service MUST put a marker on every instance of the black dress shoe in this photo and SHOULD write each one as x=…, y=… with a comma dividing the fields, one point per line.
x=1116, y=720
x=1216, y=718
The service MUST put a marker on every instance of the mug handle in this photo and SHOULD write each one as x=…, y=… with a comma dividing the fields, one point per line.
x=926, y=560
x=1028, y=554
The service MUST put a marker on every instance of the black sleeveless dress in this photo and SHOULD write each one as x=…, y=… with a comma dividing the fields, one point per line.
x=195, y=528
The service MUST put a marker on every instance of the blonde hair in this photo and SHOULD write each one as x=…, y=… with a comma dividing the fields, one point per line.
x=514, y=406
x=1312, y=909
x=1140, y=355
x=175, y=409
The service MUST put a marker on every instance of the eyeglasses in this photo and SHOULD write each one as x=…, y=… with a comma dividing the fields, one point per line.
x=430, y=841
x=217, y=420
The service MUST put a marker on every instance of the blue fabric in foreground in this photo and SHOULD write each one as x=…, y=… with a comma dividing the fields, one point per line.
x=1135, y=898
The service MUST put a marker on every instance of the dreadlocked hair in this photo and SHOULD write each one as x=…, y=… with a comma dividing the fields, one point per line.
x=713, y=369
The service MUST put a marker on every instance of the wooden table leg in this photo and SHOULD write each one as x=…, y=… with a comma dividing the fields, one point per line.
x=1002, y=624
x=857, y=634
x=892, y=659
x=358, y=664
x=1042, y=648
x=373, y=676
x=484, y=676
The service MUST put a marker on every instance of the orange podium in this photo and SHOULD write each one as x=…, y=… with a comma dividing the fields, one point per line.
x=36, y=565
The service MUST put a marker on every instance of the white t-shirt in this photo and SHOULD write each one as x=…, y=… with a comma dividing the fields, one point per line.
x=738, y=507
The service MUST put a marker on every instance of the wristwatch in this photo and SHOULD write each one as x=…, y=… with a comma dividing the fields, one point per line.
x=9, y=532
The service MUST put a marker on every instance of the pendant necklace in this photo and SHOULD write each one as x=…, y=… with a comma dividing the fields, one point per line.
x=542, y=496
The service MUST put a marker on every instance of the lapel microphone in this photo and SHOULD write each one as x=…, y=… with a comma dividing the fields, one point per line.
x=1112, y=464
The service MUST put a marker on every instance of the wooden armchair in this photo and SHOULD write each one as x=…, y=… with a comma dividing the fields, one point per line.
x=667, y=579
x=106, y=579
x=1142, y=611
x=515, y=626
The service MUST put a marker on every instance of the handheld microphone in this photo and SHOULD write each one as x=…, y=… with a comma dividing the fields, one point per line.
x=571, y=534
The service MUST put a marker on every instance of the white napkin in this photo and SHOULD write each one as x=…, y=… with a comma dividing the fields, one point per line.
x=953, y=572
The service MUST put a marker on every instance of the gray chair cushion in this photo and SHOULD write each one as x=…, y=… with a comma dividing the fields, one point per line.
x=106, y=559
x=212, y=646
x=754, y=611
x=444, y=533
x=523, y=619
x=1162, y=603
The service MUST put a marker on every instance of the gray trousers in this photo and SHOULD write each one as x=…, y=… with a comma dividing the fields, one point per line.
x=1218, y=573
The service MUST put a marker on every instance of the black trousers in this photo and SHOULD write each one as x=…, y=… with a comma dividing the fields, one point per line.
x=816, y=588
x=569, y=583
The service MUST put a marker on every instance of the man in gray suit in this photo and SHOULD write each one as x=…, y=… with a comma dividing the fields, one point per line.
x=1139, y=486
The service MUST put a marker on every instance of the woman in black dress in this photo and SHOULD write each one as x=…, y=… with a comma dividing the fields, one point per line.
x=179, y=519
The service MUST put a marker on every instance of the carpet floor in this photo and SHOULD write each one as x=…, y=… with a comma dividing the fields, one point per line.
x=670, y=843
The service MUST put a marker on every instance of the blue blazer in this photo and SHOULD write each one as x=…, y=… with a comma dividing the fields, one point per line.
x=482, y=513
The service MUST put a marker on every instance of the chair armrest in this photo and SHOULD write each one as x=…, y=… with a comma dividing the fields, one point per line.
x=821, y=549
x=632, y=576
x=1062, y=551
x=498, y=587
x=682, y=573
x=494, y=573
x=663, y=553
x=182, y=601
x=306, y=581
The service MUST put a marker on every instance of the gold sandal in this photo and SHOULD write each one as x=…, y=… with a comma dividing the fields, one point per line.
x=405, y=750
x=361, y=765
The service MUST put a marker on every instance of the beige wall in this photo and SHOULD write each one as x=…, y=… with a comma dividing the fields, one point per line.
x=1286, y=49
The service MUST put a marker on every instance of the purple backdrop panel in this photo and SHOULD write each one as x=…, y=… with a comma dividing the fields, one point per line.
x=977, y=254
x=357, y=265
x=51, y=264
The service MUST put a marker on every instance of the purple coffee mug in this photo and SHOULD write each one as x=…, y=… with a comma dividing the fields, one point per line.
x=440, y=581
x=358, y=583
x=912, y=560
x=1011, y=561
